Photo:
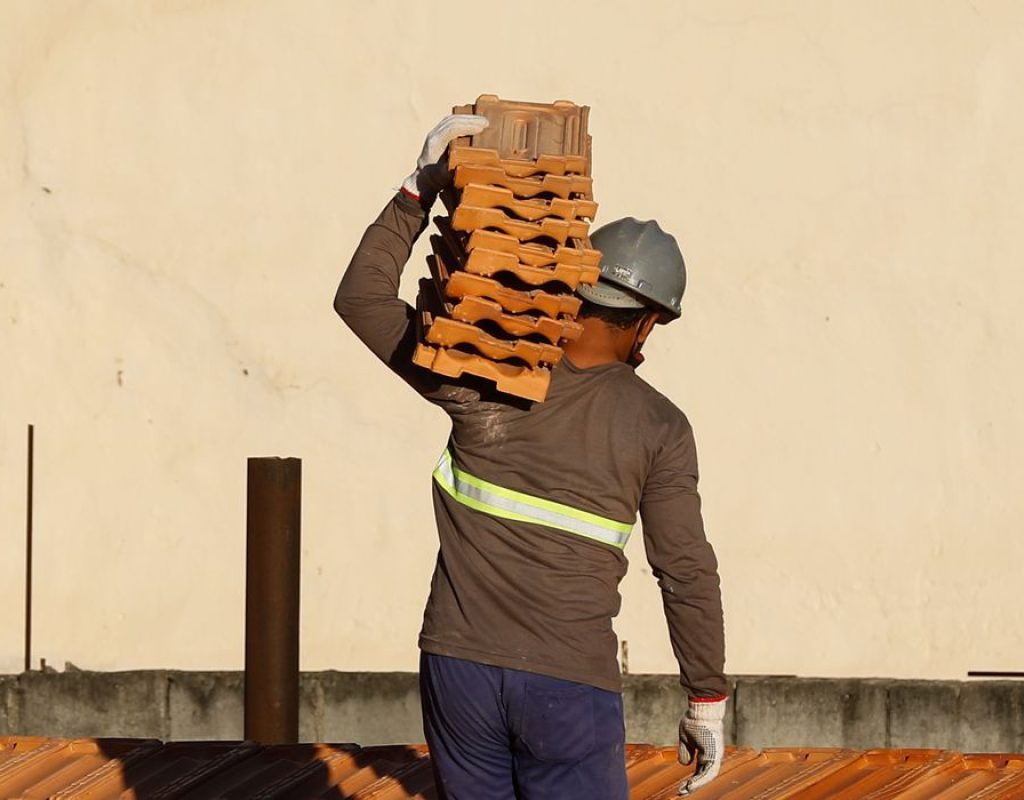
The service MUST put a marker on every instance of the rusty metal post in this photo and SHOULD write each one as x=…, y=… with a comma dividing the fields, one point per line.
x=272, y=600
x=28, y=547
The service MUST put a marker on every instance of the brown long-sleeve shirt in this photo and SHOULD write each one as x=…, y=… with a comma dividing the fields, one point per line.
x=520, y=594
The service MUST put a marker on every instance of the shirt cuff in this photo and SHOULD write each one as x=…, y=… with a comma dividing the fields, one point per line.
x=409, y=202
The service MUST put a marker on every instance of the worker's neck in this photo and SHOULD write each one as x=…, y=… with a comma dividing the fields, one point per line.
x=599, y=344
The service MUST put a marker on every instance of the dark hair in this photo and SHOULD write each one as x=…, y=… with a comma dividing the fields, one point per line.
x=623, y=318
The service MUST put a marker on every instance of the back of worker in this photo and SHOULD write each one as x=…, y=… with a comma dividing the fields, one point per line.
x=522, y=594
x=534, y=503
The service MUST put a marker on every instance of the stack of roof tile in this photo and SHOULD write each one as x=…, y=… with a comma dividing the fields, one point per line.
x=508, y=259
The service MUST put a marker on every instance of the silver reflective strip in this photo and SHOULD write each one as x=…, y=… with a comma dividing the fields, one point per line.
x=468, y=490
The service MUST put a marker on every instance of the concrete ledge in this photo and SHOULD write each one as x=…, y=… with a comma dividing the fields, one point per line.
x=87, y=704
x=991, y=717
x=381, y=708
x=205, y=705
x=369, y=707
x=801, y=712
x=983, y=717
x=7, y=684
x=924, y=714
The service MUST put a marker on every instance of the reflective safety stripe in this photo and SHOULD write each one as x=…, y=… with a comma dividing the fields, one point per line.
x=501, y=502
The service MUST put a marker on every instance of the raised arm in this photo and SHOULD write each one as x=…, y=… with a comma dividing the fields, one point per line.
x=367, y=297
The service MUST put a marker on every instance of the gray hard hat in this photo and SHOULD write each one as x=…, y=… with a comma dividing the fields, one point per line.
x=641, y=265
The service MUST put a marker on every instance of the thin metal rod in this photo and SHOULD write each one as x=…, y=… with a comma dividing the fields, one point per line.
x=272, y=600
x=979, y=673
x=28, y=548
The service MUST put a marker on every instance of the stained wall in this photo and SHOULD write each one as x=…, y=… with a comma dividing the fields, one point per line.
x=182, y=184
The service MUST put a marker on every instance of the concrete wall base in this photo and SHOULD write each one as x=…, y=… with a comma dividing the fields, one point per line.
x=381, y=708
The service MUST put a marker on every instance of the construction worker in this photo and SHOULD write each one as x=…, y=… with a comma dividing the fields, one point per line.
x=520, y=685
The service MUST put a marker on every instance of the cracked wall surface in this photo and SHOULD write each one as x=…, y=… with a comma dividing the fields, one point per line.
x=182, y=185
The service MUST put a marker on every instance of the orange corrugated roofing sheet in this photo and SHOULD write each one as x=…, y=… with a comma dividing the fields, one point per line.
x=33, y=768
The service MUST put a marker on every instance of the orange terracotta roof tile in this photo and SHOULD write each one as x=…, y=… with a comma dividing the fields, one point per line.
x=452, y=333
x=96, y=769
x=527, y=382
x=565, y=186
x=576, y=252
x=63, y=768
x=531, y=210
x=492, y=262
x=472, y=218
x=465, y=284
x=460, y=153
x=477, y=309
x=528, y=130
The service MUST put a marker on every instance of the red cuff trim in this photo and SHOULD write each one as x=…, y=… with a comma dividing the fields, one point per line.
x=716, y=699
x=407, y=193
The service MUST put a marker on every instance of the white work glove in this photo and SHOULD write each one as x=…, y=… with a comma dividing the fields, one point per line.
x=431, y=173
x=702, y=734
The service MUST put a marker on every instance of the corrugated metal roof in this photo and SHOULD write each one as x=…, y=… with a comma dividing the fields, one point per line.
x=33, y=768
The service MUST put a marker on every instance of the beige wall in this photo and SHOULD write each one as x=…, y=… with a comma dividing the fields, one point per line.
x=182, y=183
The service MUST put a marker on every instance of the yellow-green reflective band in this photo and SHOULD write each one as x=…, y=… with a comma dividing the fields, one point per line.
x=501, y=502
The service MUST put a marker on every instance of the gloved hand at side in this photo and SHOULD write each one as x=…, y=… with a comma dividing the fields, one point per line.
x=702, y=734
x=431, y=173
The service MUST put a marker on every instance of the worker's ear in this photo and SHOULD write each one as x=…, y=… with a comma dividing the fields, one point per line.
x=643, y=330
x=645, y=327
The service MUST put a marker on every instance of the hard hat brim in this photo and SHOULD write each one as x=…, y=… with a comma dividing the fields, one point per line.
x=605, y=294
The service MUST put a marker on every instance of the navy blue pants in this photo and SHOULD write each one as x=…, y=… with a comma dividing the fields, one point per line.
x=504, y=734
